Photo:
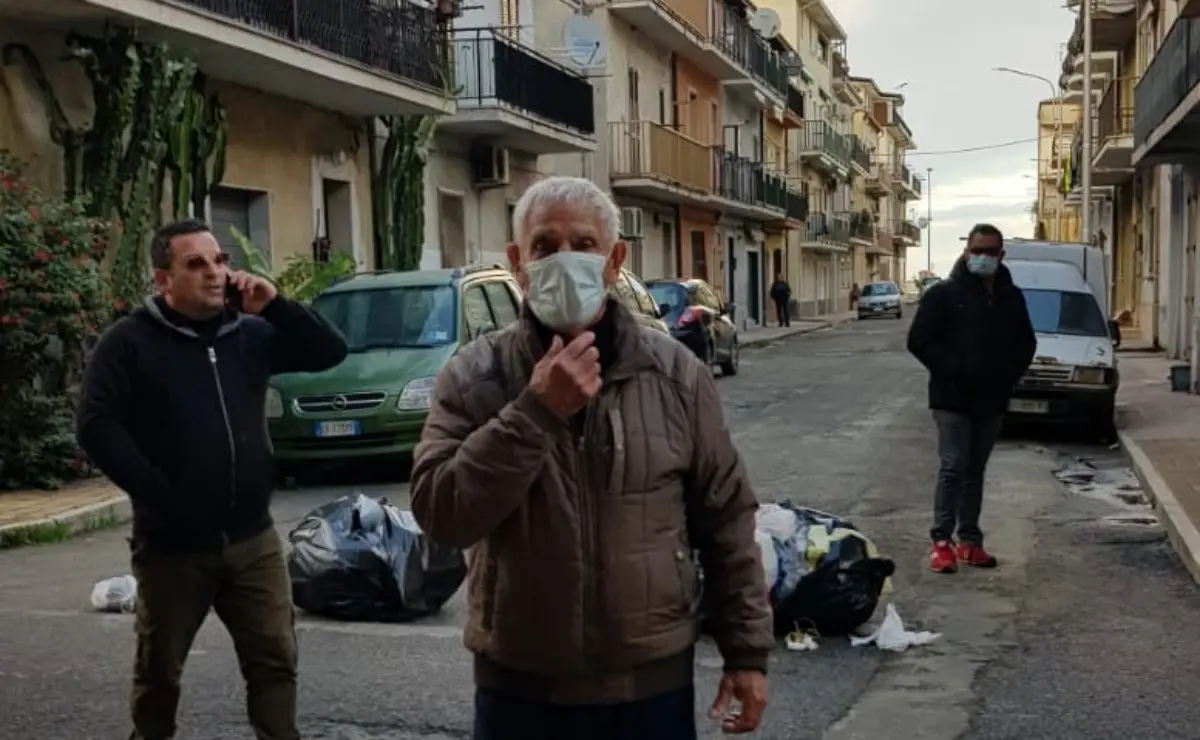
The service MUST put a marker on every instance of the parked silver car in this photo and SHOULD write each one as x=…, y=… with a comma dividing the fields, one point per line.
x=880, y=299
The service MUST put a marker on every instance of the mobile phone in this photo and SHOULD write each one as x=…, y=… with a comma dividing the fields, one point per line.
x=233, y=296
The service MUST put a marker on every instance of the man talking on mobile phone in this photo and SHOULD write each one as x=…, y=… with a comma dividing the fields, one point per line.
x=582, y=459
x=173, y=412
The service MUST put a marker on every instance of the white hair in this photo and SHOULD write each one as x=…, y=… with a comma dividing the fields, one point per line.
x=574, y=190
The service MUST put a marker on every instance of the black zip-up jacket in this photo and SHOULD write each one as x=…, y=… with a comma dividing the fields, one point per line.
x=975, y=343
x=176, y=418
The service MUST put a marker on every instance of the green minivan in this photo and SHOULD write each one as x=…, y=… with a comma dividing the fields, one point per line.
x=401, y=328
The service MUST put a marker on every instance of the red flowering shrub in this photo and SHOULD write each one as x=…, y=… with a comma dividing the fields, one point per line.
x=52, y=302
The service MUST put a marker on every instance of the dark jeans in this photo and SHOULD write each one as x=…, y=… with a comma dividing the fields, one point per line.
x=246, y=584
x=666, y=717
x=965, y=443
x=781, y=313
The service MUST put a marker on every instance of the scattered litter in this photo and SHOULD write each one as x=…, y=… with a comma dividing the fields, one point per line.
x=1146, y=520
x=1111, y=483
x=892, y=635
x=800, y=642
x=115, y=595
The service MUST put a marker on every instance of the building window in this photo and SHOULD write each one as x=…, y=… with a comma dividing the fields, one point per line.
x=634, y=83
x=699, y=256
x=236, y=213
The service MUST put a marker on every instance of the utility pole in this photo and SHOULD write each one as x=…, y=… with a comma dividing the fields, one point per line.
x=1086, y=16
x=929, y=219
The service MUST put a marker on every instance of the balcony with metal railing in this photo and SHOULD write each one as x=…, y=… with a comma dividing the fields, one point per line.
x=900, y=129
x=906, y=231
x=714, y=36
x=656, y=162
x=860, y=155
x=1165, y=113
x=825, y=230
x=862, y=227
x=356, y=57
x=903, y=183
x=795, y=104
x=879, y=176
x=515, y=97
x=1112, y=163
x=825, y=148
x=744, y=188
x=797, y=202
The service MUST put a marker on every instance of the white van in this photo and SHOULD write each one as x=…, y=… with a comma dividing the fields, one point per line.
x=1074, y=373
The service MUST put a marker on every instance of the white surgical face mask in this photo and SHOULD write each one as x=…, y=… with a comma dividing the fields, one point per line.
x=566, y=290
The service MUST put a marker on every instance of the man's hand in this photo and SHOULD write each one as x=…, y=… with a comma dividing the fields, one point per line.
x=256, y=292
x=748, y=688
x=567, y=377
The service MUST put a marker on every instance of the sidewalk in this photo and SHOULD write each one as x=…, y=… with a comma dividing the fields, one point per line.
x=767, y=334
x=29, y=517
x=1160, y=431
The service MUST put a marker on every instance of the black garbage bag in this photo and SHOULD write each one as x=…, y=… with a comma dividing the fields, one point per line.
x=827, y=574
x=362, y=560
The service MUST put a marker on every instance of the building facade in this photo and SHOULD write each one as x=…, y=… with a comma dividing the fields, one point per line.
x=297, y=92
x=1058, y=124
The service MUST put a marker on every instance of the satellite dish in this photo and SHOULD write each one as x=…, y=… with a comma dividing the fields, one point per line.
x=922, y=223
x=766, y=23
x=583, y=41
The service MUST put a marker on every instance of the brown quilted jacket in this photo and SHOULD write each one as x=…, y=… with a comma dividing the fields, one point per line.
x=581, y=585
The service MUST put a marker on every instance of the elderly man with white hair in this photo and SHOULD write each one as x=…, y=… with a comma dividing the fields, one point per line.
x=582, y=459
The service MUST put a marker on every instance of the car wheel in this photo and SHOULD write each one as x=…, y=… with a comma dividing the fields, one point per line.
x=730, y=366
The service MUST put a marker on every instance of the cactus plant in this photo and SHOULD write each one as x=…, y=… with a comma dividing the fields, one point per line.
x=196, y=157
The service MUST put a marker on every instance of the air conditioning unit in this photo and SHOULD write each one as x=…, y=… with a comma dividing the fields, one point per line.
x=490, y=166
x=631, y=223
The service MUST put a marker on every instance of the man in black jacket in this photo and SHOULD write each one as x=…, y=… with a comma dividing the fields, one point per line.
x=974, y=335
x=173, y=412
x=781, y=294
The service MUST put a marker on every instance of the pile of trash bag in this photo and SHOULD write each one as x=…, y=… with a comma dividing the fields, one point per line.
x=362, y=560
x=821, y=571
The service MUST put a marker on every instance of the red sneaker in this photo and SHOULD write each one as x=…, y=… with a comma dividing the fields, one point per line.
x=975, y=556
x=941, y=558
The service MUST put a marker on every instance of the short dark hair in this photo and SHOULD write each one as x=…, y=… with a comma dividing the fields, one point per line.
x=985, y=230
x=160, y=245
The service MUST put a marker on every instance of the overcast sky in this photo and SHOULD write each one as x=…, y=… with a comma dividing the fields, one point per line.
x=945, y=50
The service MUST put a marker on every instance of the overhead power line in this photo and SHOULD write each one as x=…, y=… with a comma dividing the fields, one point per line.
x=968, y=150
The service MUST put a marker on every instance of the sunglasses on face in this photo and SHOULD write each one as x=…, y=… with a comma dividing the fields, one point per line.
x=200, y=263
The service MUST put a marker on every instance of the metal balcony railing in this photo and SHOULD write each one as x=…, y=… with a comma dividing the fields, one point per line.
x=652, y=151
x=907, y=229
x=1172, y=74
x=397, y=37
x=774, y=189
x=860, y=154
x=839, y=228
x=819, y=136
x=797, y=202
x=766, y=64
x=737, y=178
x=1114, y=117
x=916, y=185
x=862, y=225
x=795, y=101
x=899, y=119
x=490, y=69
x=731, y=33
x=827, y=227
x=906, y=176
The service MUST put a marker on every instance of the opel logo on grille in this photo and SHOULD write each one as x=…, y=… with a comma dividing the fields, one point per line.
x=339, y=402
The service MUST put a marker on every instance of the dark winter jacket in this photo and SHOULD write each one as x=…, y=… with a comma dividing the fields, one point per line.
x=975, y=343
x=780, y=291
x=173, y=412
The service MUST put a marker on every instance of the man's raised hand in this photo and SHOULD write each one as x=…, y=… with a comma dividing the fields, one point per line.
x=567, y=377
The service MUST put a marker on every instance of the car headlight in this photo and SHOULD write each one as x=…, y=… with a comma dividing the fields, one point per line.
x=1089, y=375
x=274, y=404
x=417, y=395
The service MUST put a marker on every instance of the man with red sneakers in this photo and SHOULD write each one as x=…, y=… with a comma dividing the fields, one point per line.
x=974, y=335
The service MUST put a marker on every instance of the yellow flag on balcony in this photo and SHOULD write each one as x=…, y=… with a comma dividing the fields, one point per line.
x=1064, y=179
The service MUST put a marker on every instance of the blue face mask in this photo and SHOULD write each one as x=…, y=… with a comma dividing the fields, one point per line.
x=983, y=265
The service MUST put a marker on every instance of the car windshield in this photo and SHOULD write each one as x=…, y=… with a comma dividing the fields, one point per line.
x=392, y=318
x=673, y=295
x=879, y=289
x=1061, y=312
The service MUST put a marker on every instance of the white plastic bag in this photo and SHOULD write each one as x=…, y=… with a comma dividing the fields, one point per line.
x=115, y=594
x=892, y=635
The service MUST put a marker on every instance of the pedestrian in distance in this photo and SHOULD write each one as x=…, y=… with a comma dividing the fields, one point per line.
x=582, y=459
x=855, y=294
x=173, y=412
x=781, y=294
x=973, y=333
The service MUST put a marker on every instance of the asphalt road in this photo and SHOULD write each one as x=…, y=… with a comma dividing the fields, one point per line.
x=1082, y=633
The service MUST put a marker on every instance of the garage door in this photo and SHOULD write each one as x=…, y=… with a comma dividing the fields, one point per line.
x=230, y=208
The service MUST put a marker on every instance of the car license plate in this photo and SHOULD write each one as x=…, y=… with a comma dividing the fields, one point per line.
x=1023, y=406
x=338, y=429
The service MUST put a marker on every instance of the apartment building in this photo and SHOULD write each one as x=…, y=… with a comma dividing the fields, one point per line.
x=873, y=190
x=1165, y=39
x=521, y=98
x=1116, y=209
x=297, y=89
x=1058, y=123
x=690, y=88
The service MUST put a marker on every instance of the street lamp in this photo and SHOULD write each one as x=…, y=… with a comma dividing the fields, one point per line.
x=929, y=219
x=1056, y=96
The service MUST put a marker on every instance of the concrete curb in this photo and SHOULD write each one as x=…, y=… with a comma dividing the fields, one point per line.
x=824, y=324
x=110, y=512
x=1181, y=531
